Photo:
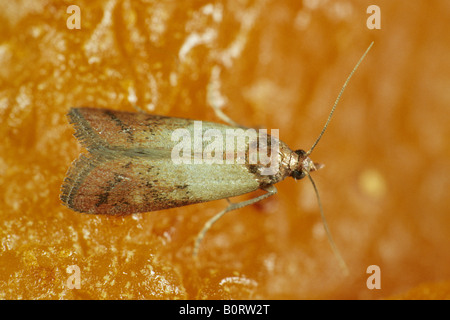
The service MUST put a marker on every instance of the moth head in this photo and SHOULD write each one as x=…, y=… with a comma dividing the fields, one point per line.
x=305, y=165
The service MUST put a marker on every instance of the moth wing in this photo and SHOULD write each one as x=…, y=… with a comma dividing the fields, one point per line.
x=128, y=184
x=101, y=129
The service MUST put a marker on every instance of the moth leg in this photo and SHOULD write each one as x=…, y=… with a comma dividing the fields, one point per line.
x=271, y=190
x=216, y=100
x=139, y=109
x=221, y=115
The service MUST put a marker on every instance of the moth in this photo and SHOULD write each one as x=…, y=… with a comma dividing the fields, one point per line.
x=131, y=165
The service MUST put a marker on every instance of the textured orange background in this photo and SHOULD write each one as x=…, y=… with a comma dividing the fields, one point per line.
x=278, y=64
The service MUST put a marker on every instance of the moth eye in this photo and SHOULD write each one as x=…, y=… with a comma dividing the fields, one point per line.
x=301, y=153
x=297, y=175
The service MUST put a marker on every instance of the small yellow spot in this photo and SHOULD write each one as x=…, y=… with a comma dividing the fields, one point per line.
x=373, y=183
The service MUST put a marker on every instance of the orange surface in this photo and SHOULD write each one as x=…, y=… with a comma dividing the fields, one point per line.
x=277, y=64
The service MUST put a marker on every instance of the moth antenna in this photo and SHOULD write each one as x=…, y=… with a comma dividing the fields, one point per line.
x=335, y=249
x=337, y=100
